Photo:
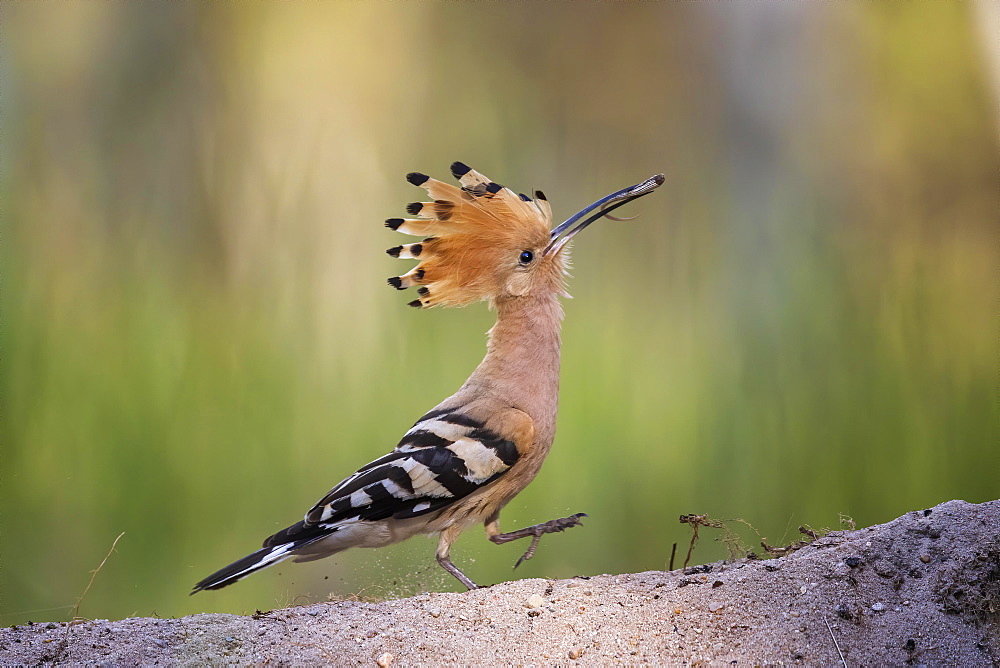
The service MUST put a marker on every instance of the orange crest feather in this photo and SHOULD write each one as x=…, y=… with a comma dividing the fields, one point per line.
x=475, y=234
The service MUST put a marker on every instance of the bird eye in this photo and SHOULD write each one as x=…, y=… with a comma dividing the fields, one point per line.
x=526, y=257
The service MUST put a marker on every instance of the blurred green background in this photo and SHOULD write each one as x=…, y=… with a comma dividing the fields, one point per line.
x=198, y=341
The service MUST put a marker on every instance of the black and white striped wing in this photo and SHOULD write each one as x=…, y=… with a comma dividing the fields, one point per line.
x=445, y=456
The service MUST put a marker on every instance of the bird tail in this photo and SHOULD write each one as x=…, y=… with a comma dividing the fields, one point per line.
x=249, y=564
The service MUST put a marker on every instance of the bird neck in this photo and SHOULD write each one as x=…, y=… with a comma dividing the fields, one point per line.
x=521, y=367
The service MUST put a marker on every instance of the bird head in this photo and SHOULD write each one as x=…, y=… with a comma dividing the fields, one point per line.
x=484, y=242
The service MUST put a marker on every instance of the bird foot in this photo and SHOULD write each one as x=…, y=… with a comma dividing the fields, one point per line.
x=536, y=532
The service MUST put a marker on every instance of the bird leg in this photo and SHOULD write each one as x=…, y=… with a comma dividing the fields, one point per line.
x=443, y=555
x=536, y=532
x=454, y=570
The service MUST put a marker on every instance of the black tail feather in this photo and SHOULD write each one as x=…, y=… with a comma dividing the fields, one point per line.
x=278, y=547
x=298, y=532
x=249, y=564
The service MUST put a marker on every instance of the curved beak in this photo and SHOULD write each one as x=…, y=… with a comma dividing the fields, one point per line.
x=560, y=236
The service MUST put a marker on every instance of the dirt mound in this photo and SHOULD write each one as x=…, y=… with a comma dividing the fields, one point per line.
x=924, y=588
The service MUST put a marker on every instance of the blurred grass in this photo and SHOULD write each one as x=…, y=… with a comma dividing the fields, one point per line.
x=198, y=343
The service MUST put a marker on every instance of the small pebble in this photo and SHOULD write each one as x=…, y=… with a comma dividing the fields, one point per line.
x=926, y=558
x=853, y=562
x=715, y=606
x=844, y=612
x=385, y=660
x=434, y=612
x=576, y=653
x=534, y=601
x=534, y=612
x=878, y=607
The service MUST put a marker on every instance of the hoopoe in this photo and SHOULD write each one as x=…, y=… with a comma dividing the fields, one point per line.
x=462, y=462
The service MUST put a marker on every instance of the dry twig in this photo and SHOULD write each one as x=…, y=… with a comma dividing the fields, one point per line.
x=835, y=643
x=697, y=521
x=93, y=574
x=76, y=609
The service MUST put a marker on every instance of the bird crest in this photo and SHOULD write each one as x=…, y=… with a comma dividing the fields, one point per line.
x=482, y=241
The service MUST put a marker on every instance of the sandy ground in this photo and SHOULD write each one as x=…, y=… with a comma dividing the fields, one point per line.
x=924, y=588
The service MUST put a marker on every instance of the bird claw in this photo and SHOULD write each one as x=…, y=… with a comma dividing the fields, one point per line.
x=539, y=530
